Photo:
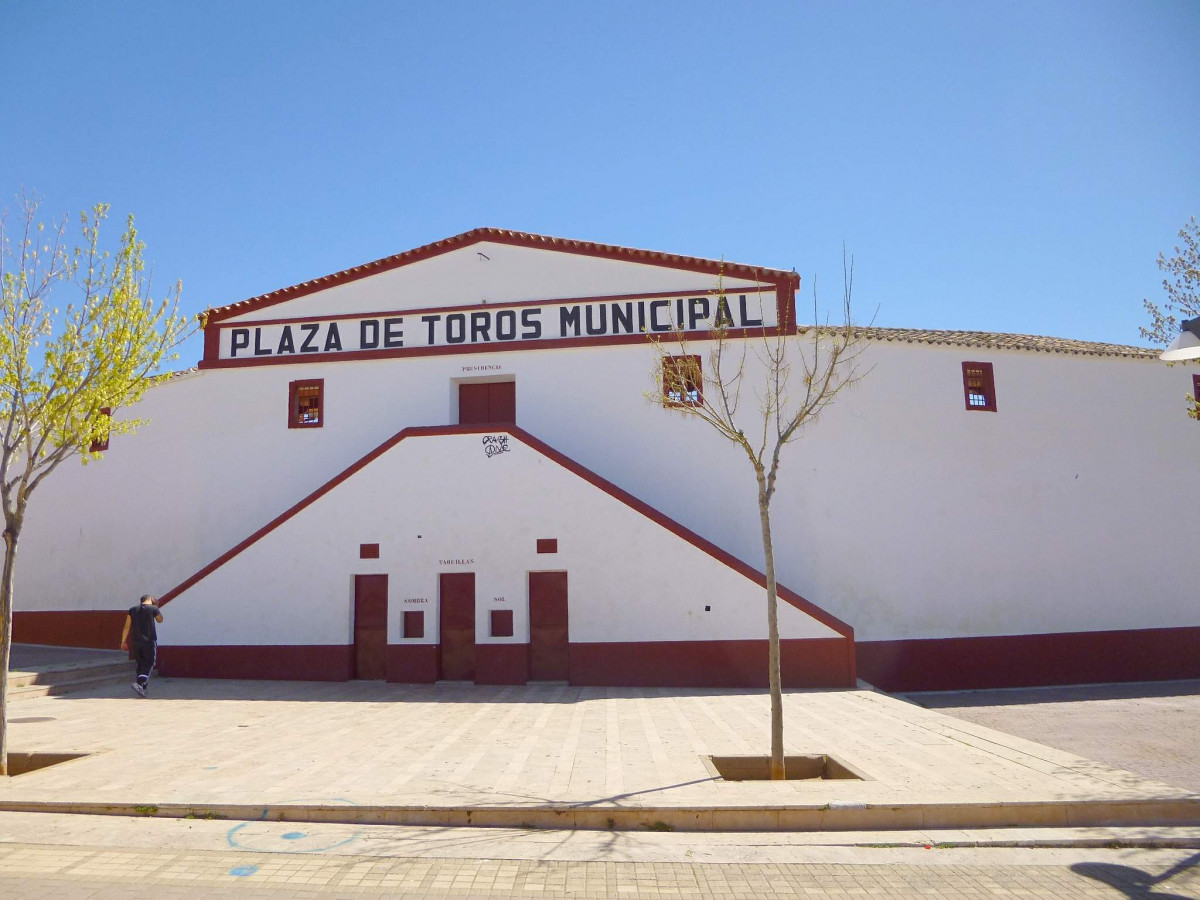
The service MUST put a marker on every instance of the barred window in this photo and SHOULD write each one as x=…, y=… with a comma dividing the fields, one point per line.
x=979, y=386
x=306, y=408
x=683, y=382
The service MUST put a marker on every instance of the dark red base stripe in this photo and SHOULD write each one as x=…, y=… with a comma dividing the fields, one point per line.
x=288, y=663
x=824, y=663
x=96, y=628
x=915, y=665
x=412, y=663
x=501, y=663
x=1031, y=660
x=805, y=663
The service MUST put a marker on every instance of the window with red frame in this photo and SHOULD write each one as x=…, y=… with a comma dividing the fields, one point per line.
x=683, y=382
x=1196, y=395
x=306, y=403
x=979, y=386
x=99, y=445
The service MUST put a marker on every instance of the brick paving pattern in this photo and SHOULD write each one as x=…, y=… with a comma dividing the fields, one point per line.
x=362, y=746
x=74, y=873
x=464, y=747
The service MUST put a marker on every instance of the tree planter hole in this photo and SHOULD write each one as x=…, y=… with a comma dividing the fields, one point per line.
x=813, y=767
x=21, y=763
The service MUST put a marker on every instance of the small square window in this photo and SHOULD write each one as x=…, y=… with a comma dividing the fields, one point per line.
x=414, y=623
x=502, y=623
x=683, y=381
x=306, y=403
x=99, y=445
x=979, y=386
x=368, y=551
x=547, y=545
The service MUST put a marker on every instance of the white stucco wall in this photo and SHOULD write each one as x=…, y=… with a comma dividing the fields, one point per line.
x=1071, y=508
x=432, y=498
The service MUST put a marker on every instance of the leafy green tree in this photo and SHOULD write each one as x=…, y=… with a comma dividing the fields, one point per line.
x=65, y=373
x=1182, y=284
x=761, y=392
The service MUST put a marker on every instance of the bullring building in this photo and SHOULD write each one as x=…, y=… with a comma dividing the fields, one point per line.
x=444, y=465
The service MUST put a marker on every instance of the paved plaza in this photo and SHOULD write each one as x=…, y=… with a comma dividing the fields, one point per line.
x=551, y=756
x=285, y=789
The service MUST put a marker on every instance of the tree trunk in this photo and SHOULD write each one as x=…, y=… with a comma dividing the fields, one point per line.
x=6, y=606
x=778, y=771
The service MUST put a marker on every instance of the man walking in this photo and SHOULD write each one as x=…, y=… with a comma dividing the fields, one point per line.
x=139, y=625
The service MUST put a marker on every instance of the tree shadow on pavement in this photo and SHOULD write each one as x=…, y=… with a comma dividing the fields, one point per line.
x=1136, y=883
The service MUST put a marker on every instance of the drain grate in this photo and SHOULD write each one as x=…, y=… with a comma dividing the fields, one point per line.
x=26, y=719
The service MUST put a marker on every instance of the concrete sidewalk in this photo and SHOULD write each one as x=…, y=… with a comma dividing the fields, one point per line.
x=550, y=756
x=76, y=857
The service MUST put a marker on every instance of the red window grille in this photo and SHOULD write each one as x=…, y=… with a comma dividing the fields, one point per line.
x=547, y=545
x=683, y=382
x=979, y=386
x=306, y=404
x=368, y=551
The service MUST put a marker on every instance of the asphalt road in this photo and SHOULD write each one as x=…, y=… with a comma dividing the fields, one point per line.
x=1151, y=728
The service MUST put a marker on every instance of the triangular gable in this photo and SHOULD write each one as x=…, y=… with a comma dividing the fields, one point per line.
x=491, y=290
x=638, y=506
x=737, y=273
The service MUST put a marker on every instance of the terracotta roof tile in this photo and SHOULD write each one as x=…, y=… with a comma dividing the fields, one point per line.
x=997, y=341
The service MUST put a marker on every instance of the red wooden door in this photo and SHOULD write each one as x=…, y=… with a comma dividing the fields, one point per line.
x=472, y=404
x=370, y=626
x=483, y=404
x=502, y=401
x=548, y=639
x=457, y=650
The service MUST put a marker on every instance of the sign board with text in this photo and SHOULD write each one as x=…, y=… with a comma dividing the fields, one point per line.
x=493, y=327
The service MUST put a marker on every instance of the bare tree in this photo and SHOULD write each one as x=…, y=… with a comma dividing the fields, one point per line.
x=792, y=374
x=65, y=373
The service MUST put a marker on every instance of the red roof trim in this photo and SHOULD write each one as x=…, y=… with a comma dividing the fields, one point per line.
x=502, y=236
x=549, y=452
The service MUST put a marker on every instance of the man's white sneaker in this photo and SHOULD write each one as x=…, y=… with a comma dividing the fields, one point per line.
x=138, y=689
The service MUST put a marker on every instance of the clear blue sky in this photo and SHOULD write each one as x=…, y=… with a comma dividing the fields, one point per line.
x=1010, y=166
